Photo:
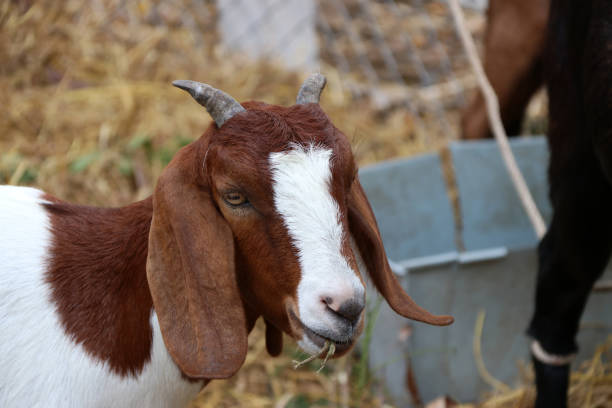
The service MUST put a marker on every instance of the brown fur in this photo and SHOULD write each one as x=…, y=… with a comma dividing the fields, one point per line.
x=97, y=275
x=514, y=45
x=368, y=239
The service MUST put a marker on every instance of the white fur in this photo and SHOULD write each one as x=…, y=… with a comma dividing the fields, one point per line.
x=39, y=365
x=551, y=359
x=301, y=183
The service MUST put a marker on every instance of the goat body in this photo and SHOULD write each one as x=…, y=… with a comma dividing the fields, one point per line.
x=578, y=243
x=78, y=326
x=513, y=45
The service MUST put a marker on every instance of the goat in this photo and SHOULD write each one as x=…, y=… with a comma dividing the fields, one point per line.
x=577, y=246
x=513, y=46
x=262, y=216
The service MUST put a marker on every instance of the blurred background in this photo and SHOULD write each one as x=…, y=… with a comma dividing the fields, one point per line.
x=89, y=112
x=89, y=115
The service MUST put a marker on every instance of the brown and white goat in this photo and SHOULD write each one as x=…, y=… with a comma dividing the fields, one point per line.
x=262, y=216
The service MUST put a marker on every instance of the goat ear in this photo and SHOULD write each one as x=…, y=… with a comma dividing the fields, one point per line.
x=369, y=243
x=191, y=275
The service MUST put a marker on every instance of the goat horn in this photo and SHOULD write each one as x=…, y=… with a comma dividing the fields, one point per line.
x=219, y=105
x=310, y=92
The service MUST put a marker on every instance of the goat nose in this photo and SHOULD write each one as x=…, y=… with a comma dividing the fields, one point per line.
x=349, y=309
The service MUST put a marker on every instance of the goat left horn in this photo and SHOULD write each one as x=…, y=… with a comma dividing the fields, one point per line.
x=311, y=89
x=219, y=105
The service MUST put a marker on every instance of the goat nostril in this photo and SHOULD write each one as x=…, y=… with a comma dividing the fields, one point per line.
x=351, y=310
x=328, y=300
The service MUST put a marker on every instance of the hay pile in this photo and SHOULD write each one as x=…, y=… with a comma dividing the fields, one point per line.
x=89, y=113
x=590, y=385
x=273, y=382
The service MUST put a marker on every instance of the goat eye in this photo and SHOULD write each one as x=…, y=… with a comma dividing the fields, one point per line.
x=235, y=199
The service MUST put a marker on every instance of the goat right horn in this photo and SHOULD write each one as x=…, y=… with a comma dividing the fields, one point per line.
x=311, y=89
x=219, y=105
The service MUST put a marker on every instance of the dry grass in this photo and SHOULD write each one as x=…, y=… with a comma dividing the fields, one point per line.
x=590, y=385
x=273, y=382
x=89, y=113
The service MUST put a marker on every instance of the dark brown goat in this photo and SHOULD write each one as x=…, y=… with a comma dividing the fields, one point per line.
x=577, y=246
x=513, y=45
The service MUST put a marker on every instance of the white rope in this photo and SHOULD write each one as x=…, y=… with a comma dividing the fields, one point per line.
x=493, y=114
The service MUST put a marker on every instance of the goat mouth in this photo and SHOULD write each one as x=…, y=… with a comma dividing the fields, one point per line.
x=319, y=339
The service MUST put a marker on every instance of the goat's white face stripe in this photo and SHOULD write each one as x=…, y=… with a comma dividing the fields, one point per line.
x=301, y=183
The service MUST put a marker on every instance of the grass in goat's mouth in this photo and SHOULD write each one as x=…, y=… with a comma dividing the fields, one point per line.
x=329, y=346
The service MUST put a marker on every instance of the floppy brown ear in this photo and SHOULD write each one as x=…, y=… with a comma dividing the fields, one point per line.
x=369, y=242
x=191, y=274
